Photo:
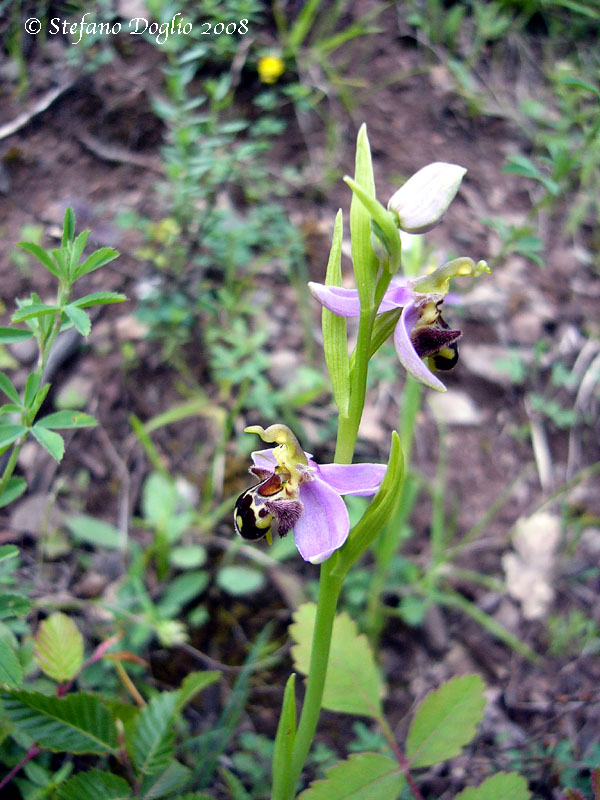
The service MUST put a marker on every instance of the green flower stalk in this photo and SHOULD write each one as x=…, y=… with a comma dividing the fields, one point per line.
x=293, y=491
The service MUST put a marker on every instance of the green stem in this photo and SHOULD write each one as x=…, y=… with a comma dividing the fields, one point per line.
x=349, y=425
x=11, y=464
x=329, y=591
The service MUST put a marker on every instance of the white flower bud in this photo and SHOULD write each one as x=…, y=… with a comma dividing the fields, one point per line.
x=423, y=200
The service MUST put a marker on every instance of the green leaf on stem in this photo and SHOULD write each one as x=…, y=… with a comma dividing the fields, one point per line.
x=14, y=605
x=77, y=249
x=59, y=647
x=77, y=723
x=507, y=785
x=11, y=671
x=446, y=721
x=6, y=385
x=79, y=319
x=94, y=531
x=95, y=261
x=34, y=310
x=67, y=419
x=31, y=386
x=353, y=684
x=365, y=776
x=13, y=489
x=284, y=740
x=51, y=441
x=335, y=339
x=10, y=434
x=10, y=335
x=95, y=784
x=99, y=299
x=42, y=256
x=68, y=226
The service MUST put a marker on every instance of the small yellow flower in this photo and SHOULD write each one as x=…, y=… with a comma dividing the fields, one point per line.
x=270, y=68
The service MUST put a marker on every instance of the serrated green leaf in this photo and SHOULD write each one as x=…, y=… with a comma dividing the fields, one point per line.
x=6, y=386
x=10, y=335
x=10, y=668
x=31, y=386
x=95, y=784
x=51, y=441
x=42, y=256
x=13, y=604
x=194, y=683
x=14, y=488
x=353, y=684
x=95, y=261
x=67, y=419
x=10, y=433
x=445, y=721
x=77, y=723
x=79, y=319
x=173, y=778
x=33, y=310
x=153, y=740
x=504, y=785
x=98, y=299
x=59, y=647
x=366, y=776
x=94, y=531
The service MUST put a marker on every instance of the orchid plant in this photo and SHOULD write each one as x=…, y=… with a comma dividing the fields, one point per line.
x=293, y=492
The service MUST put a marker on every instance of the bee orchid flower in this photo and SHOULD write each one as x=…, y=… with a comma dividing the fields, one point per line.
x=294, y=492
x=421, y=333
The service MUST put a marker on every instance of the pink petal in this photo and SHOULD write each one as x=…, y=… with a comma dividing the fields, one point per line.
x=343, y=302
x=354, y=479
x=398, y=295
x=407, y=354
x=264, y=459
x=324, y=524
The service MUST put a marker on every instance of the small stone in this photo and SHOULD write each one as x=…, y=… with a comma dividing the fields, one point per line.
x=455, y=407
